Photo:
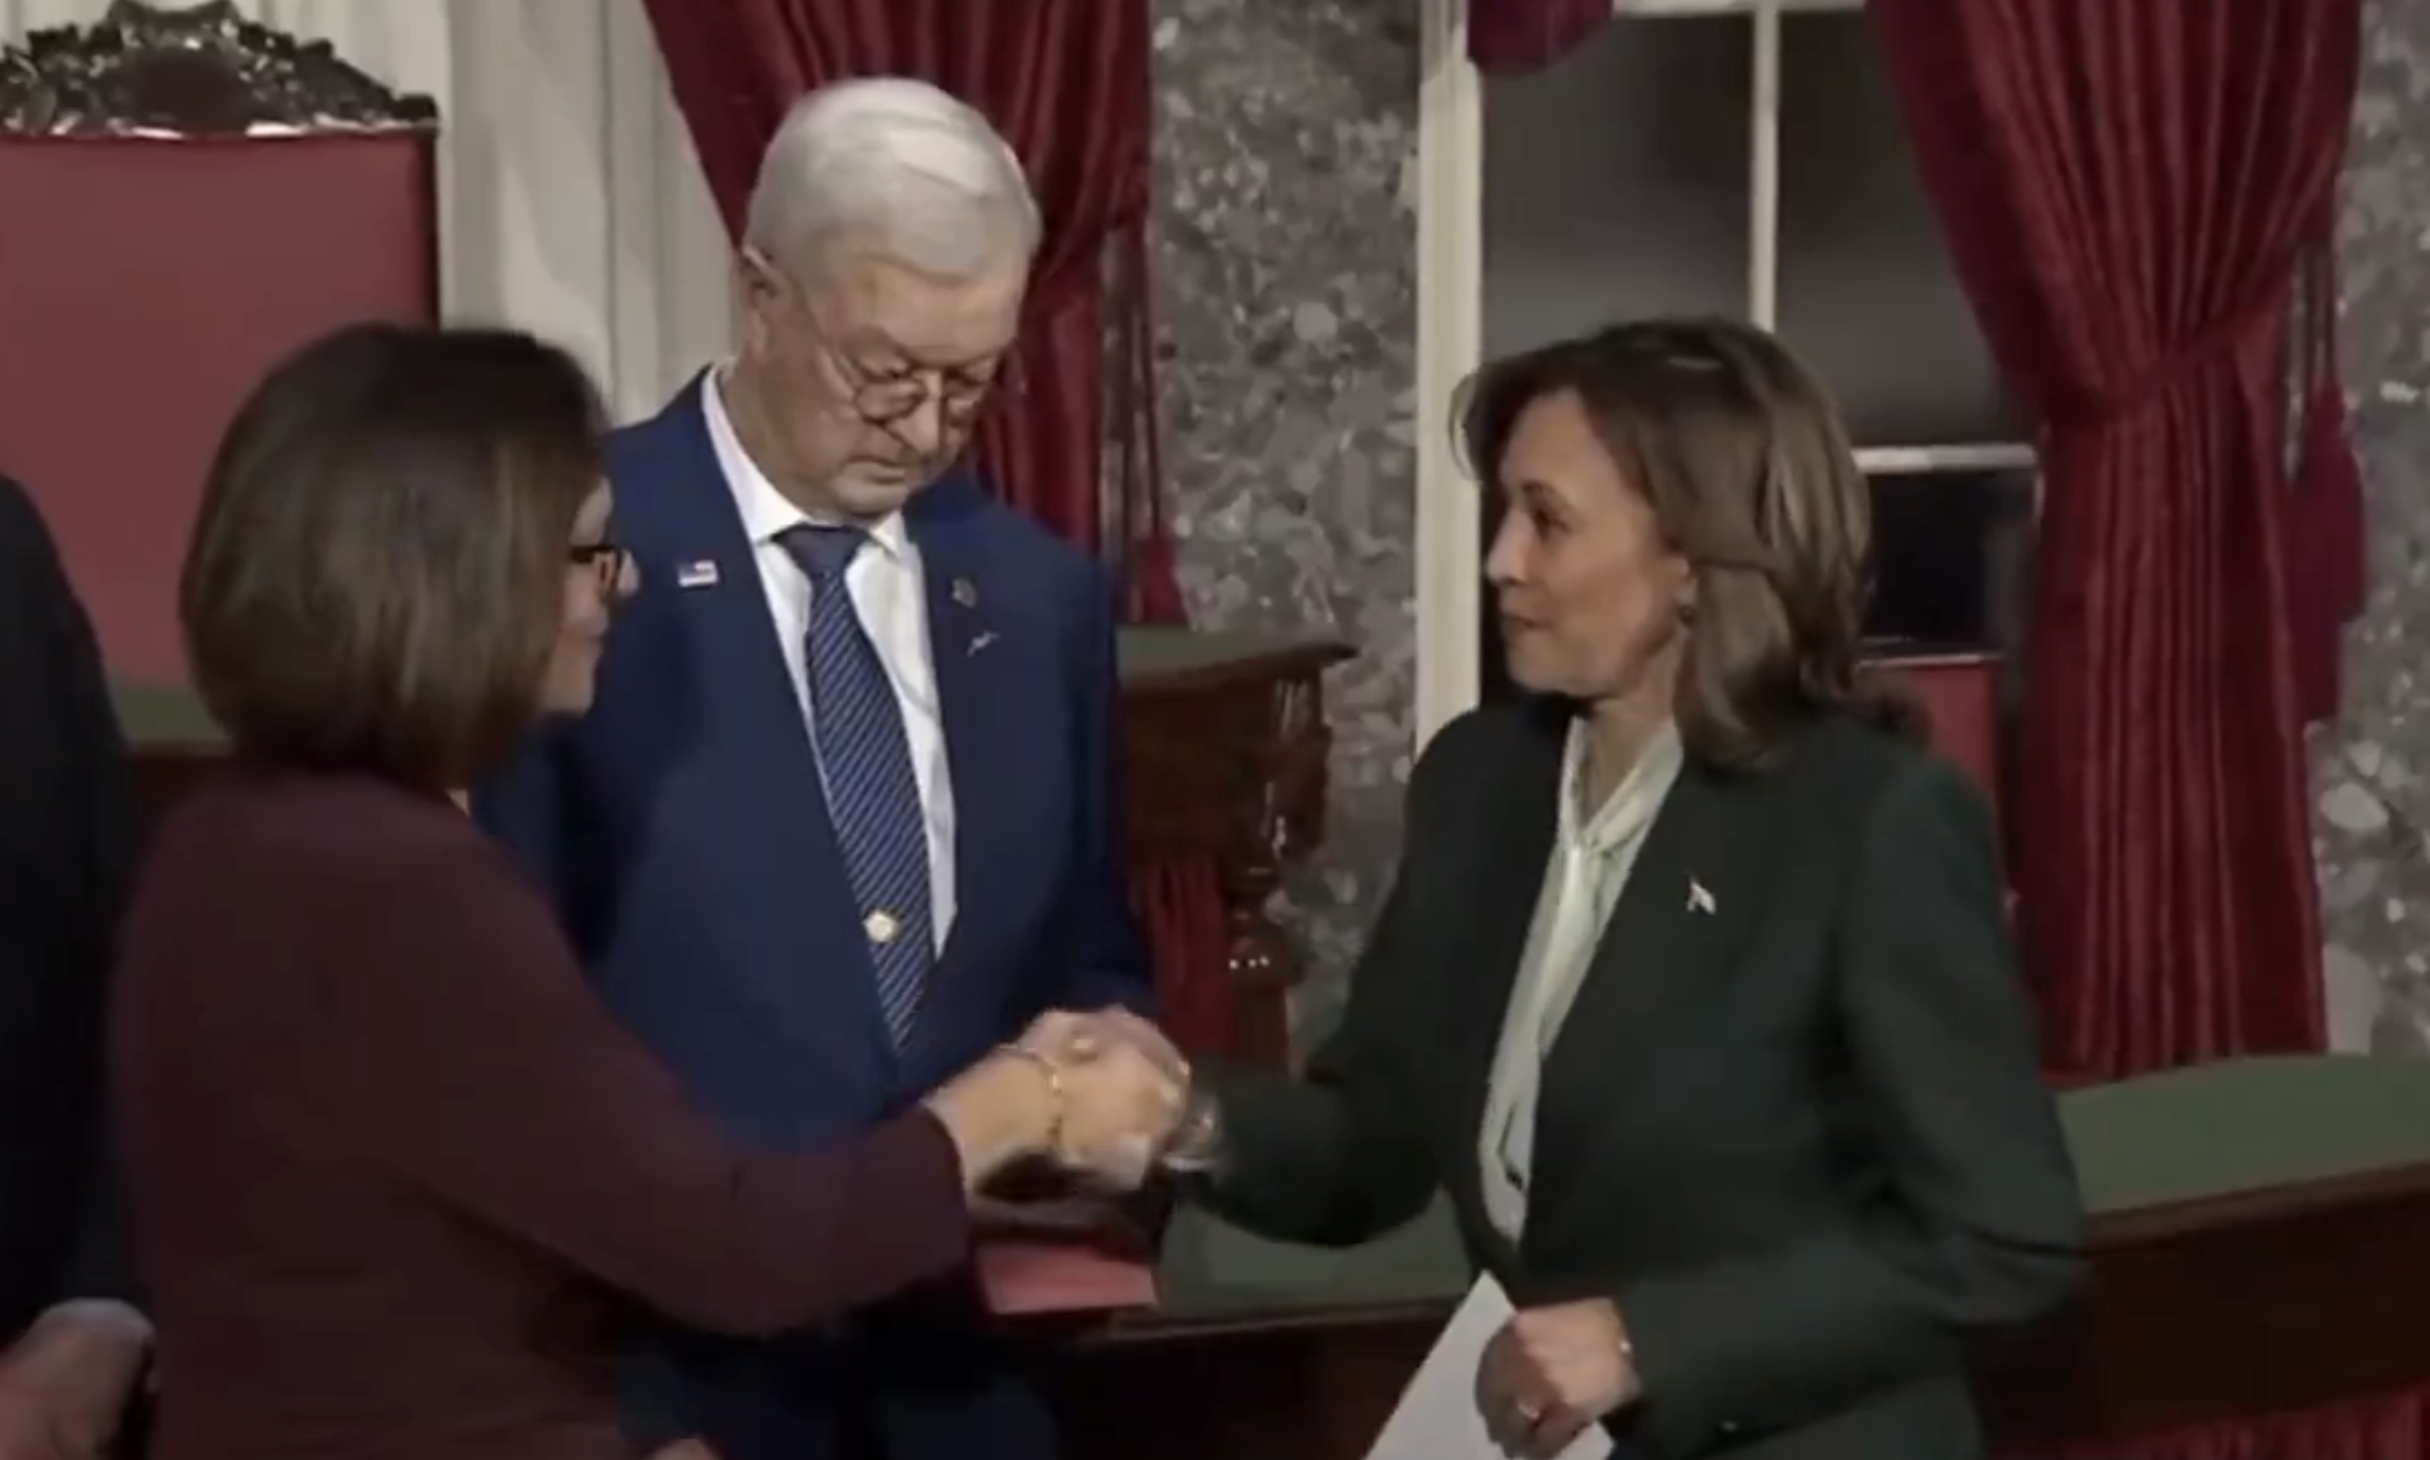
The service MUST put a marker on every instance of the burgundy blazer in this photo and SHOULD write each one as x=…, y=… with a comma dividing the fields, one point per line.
x=395, y=1174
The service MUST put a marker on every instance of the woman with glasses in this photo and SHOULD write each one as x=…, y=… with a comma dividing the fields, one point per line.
x=397, y=1177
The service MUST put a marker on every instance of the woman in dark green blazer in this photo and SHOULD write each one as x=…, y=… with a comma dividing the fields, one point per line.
x=1695, y=988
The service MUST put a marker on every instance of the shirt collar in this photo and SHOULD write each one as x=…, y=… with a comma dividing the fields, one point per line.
x=766, y=512
x=1633, y=803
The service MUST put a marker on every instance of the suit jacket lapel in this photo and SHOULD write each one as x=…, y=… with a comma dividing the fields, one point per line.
x=705, y=561
x=711, y=567
x=987, y=665
x=1512, y=846
x=1706, y=867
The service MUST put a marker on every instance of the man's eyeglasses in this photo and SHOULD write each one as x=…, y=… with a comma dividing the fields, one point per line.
x=887, y=397
x=887, y=400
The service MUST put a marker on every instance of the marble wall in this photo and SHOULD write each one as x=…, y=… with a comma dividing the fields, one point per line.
x=2368, y=768
x=1286, y=302
x=1287, y=272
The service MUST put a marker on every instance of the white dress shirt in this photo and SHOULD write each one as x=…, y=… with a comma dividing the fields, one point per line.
x=1589, y=869
x=889, y=590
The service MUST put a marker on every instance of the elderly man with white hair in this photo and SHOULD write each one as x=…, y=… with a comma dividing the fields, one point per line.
x=844, y=816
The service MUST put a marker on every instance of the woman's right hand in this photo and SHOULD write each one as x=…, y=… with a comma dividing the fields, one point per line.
x=1125, y=1090
x=1084, y=1089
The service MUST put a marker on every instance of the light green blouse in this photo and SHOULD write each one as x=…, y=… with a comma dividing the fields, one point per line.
x=1583, y=879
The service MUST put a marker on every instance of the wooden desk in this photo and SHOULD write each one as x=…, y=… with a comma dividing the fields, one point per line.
x=1226, y=741
x=2235, y=1309
x=2285, y=1273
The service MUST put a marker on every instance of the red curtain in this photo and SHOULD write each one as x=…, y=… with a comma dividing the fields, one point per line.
x=1513, y=37
x=1067, y=82
x=2140, y=199
x=2132, y=194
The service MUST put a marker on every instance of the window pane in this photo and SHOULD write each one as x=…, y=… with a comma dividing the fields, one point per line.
x=1866, y=291
x=1951, y=555
x=1616, y=182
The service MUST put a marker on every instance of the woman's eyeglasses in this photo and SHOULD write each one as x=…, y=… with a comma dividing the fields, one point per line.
x=606, y=560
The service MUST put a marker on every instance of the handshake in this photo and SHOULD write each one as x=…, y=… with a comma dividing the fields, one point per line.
x=1105, y=1096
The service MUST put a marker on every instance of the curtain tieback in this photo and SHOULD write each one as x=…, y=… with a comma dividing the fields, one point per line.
x=2078, y=404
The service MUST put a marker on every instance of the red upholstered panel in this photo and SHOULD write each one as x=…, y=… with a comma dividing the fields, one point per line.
x=144, y=285
x=1960, y=694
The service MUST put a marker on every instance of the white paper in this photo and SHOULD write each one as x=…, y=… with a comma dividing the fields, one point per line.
x=1437, y=1418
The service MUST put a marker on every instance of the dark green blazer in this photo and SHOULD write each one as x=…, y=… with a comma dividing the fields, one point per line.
x=1792, y=1127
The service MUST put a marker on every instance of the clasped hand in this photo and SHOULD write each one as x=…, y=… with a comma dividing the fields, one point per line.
x=1125, y=1088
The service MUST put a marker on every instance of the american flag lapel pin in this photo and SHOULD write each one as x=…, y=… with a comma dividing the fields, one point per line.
x=965, y=595
x=698, y=573
x=1700, y=898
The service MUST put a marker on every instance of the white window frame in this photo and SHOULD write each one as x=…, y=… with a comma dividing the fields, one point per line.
x=1451, y=286
x=1451, y=344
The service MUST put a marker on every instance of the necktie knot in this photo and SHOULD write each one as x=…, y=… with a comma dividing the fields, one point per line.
x=824, y=550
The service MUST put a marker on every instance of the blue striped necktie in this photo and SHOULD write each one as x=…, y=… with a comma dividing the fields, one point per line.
x=873, y=798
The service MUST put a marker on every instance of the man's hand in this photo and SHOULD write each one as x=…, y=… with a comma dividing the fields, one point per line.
x=1551, y=1372
x=65, y=1384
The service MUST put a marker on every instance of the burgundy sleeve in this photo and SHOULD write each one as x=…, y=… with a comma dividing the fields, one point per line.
x=463, y=1049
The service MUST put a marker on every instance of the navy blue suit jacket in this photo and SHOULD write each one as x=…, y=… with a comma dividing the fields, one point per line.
x=681, y=829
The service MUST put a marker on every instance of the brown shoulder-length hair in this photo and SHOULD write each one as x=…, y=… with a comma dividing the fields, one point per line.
x=1740, y=451
x=376, y=579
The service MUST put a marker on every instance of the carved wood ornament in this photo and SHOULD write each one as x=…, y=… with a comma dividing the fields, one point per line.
x=195, y=71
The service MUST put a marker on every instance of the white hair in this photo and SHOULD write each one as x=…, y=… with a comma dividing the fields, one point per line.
x=920, y=169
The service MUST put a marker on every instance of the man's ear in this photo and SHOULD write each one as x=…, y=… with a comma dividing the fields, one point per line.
x=758, y=282
x=757, y=288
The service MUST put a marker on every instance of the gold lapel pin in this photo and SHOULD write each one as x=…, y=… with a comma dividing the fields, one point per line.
x=965, y=592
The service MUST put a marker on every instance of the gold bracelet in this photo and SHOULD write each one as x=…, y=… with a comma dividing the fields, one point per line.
x=1054, y=1090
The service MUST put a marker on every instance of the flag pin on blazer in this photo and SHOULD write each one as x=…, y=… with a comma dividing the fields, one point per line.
x=965, y=592
x=698, y=573
x=1700, y=898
